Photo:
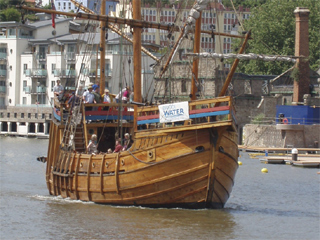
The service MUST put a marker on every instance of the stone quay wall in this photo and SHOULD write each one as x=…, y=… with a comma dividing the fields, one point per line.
x=281, y=136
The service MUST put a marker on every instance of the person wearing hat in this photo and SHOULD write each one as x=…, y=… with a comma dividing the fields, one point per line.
x=107, y=98
x=88, y=97
x=58, y=90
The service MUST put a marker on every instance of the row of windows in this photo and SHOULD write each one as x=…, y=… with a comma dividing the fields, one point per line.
x=146, y=12
x=233, y=16
x=228, y=27
x=207, y=39
x=36, y=115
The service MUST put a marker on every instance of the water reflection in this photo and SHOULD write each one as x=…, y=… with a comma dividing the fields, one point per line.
x=102, y=221
x=283, y=204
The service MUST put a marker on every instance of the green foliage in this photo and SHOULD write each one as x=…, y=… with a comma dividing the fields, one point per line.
x=153, y=2
x=8, y=11
x=8, y=4
x=258, y=119
x=32, y=17
x=10, y=14
x=47, y=6
x=244, y=3
x=295, y=74
x=273, y=33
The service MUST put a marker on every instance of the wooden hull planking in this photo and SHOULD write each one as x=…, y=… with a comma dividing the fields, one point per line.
x=190, y=168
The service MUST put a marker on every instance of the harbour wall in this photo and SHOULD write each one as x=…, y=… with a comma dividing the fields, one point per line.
x=281, y=135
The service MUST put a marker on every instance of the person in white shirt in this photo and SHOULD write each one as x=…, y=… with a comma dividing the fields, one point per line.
x=58, y=90
x=88, y=97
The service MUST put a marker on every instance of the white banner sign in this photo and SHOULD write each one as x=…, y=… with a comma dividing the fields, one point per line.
x=174, y=112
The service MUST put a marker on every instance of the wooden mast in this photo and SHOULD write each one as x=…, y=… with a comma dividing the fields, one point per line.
x=102, y=49
x=136, y=4
x=196, y=49
x=234, y=66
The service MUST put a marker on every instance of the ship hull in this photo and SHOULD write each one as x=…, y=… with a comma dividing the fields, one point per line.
x=188, y=167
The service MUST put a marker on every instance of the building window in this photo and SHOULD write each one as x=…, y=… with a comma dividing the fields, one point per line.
x=52, y=85
x=22, y=115
x=29, y=115
x=83, y=65
x=36, y=115
x=8, y=115
x=43, y=115
x=183, y=86
x=25, y=67
x=24, y=85
x=15, y=115
x=53, y=68
x=24, y=101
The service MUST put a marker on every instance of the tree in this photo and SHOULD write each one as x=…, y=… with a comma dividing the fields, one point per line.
x=243, y=3
x=273, y=32
x=10, y=14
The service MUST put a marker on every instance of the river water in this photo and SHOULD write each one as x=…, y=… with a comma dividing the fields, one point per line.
x=281, y=204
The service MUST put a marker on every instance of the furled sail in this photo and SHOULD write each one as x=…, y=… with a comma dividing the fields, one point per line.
x=249, y=56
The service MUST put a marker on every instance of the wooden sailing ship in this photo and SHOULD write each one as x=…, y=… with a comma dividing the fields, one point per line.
x=190, y=163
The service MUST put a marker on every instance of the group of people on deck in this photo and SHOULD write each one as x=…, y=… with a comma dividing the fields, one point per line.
x=92, y=147
x=91, y=95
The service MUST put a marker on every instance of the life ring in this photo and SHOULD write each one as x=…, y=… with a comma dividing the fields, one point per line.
x=285, y=121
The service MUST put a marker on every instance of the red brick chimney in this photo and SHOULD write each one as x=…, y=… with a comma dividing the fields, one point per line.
x=301, y=87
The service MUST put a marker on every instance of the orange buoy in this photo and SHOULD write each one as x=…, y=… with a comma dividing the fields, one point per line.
x=285, y=121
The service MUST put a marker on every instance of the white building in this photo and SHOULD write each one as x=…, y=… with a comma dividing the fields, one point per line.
x=33, y=57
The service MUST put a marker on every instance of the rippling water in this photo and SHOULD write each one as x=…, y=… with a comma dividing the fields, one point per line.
x=282, y=204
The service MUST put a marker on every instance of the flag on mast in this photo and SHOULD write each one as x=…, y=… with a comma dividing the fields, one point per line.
x=53, y=16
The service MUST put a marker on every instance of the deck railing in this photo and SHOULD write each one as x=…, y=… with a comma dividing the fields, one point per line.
x=200, y=111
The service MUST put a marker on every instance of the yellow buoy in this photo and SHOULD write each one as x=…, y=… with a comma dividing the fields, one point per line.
x=264, y=170
x=239, y=163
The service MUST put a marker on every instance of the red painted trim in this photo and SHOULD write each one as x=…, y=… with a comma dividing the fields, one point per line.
x=214, y=109
x=109, y=113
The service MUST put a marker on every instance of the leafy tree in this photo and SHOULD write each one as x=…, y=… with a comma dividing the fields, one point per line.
x=47, y=6
x=10, y=14
x=244, y=3
x=273, y=32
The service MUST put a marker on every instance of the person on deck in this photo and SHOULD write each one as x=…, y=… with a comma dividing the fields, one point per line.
x=58, y=90
x=127, y=142
x=107, y=98
x=118, y=147
x=97, y=96
x=80, y=91
x=96, y=93
x=88, y=97
x=93, y=145
x=74, y=100
x=124, y=93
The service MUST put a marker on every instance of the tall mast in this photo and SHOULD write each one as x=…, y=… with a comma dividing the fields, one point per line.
x=102, y=49
x=136, y=4
x=196, y=49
